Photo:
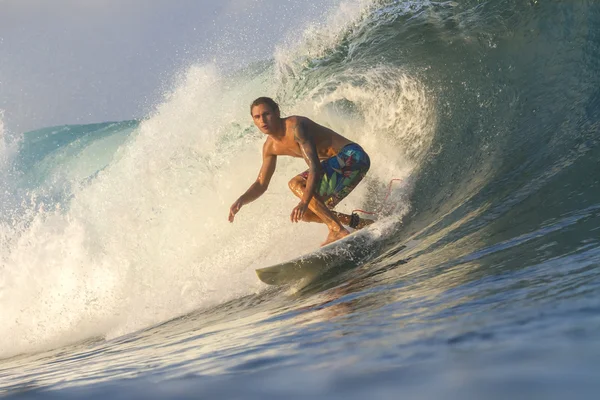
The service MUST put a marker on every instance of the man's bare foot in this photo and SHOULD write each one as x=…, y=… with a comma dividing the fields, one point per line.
x=333, y=236
x=364, y=222
x=354, y=221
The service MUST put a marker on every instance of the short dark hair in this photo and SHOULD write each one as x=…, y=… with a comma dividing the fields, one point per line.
x=265, y=100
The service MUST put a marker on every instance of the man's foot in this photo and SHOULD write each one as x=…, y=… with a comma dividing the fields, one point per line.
x=333, y=236
x=358, y=223
x=364, y=222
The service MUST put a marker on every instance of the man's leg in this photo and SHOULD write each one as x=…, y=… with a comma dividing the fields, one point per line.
x=320, y=210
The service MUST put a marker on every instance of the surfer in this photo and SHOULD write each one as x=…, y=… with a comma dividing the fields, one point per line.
x=335, y=166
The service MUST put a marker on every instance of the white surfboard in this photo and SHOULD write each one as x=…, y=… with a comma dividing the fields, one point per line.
x=341, y=253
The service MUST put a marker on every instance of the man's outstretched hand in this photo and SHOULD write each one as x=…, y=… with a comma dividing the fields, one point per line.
x=235, y=207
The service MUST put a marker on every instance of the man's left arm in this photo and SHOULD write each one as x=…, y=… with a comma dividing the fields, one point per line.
x=309, y=150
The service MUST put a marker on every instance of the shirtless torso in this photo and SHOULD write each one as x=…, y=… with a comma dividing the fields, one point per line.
x=327, y=142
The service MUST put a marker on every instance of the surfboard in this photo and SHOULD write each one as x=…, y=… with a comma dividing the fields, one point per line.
x=342, y=253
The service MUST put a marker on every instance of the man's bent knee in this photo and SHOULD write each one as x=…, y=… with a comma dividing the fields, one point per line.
x=296, y=183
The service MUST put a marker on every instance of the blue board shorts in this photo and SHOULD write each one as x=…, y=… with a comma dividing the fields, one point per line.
x=340, y=174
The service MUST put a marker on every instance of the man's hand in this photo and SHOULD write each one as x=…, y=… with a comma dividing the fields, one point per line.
x=298, y=211
x=235, y=207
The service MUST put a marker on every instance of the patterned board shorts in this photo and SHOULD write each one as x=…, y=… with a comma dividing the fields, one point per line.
x=341, y=173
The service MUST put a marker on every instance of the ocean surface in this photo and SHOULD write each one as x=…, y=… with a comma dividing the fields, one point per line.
x=120, y=275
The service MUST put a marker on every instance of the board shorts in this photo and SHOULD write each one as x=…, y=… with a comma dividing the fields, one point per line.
x=340, y=174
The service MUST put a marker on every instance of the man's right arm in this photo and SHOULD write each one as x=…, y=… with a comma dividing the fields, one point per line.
x=259, y=186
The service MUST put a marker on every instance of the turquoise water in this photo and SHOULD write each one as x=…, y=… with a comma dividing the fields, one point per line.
x=121, y=277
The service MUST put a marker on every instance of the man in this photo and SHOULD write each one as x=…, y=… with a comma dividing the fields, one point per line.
x=324, y=184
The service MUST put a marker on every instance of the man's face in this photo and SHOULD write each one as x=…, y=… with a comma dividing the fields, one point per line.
x=265, y=118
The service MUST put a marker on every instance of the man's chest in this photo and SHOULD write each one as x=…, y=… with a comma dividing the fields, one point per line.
x=286, y=147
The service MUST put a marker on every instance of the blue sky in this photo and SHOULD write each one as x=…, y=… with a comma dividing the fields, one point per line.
x=82, y=61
